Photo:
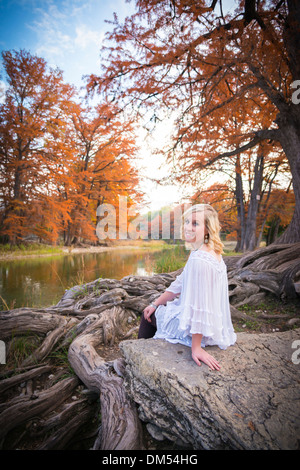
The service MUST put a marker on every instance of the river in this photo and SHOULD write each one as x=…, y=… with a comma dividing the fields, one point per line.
x=41, y=281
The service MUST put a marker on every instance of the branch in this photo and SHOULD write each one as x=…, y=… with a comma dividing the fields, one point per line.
x=250, y=13
x=265, y=134
x=273, y=94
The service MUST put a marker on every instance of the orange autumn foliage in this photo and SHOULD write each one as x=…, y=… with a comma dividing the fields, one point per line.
x=226, y=74
x=59, y=159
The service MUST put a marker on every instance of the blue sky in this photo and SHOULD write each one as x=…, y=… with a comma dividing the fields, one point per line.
x=66, y=33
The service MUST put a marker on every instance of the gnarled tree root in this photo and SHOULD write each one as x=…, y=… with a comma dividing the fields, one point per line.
x=91, y=318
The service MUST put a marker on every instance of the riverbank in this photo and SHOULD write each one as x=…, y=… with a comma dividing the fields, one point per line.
x=39, y=250
x=39, y=279
x=30, y=250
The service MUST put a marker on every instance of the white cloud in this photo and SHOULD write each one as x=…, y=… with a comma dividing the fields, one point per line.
x=55, y=45
x=86, y=37
x=3, y=87
x=50, y=28
x=69, y=36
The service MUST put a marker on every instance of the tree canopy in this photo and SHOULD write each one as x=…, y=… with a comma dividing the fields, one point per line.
x=228, y=74
x=60, y=157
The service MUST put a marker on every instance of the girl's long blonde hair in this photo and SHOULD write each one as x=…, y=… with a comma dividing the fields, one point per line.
x=212, y=225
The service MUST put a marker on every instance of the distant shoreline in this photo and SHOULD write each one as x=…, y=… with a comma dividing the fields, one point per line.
x=70, y=250
x=67, y=250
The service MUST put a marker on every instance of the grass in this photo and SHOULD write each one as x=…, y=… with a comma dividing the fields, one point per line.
x=231, y=253
x=25, y=249
x=3, y=304
x=273, y=308
x=171, y=259
x=8, y=251
x=60, y=358
x=21, y=347
x=175, y=257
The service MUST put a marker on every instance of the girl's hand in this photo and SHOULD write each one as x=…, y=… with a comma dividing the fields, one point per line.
x=199, y=354
x=148, y=312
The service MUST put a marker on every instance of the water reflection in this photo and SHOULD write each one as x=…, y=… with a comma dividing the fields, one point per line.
x=42, y=281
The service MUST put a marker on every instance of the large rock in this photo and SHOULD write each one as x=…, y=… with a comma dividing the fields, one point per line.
x=253, y=402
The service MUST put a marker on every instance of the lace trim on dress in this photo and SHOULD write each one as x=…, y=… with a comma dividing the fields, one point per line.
x=209, y=258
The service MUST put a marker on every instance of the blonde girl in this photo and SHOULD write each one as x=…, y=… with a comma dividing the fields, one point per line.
x=194, y=310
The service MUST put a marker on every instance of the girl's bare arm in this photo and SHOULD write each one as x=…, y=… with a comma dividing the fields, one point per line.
x=200, y=355
x=162, y=300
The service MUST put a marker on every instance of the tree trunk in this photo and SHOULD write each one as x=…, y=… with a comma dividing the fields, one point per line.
x=273, y=230
x=290, y=141
x=247, y=234
x=292, y=38
x=239, y=195
x=250, y=230
x=289, y=124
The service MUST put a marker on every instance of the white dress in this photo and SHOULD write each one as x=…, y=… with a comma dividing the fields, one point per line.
x=202, y=306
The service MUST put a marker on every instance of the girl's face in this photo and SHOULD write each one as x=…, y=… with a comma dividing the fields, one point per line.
x=194, y=229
